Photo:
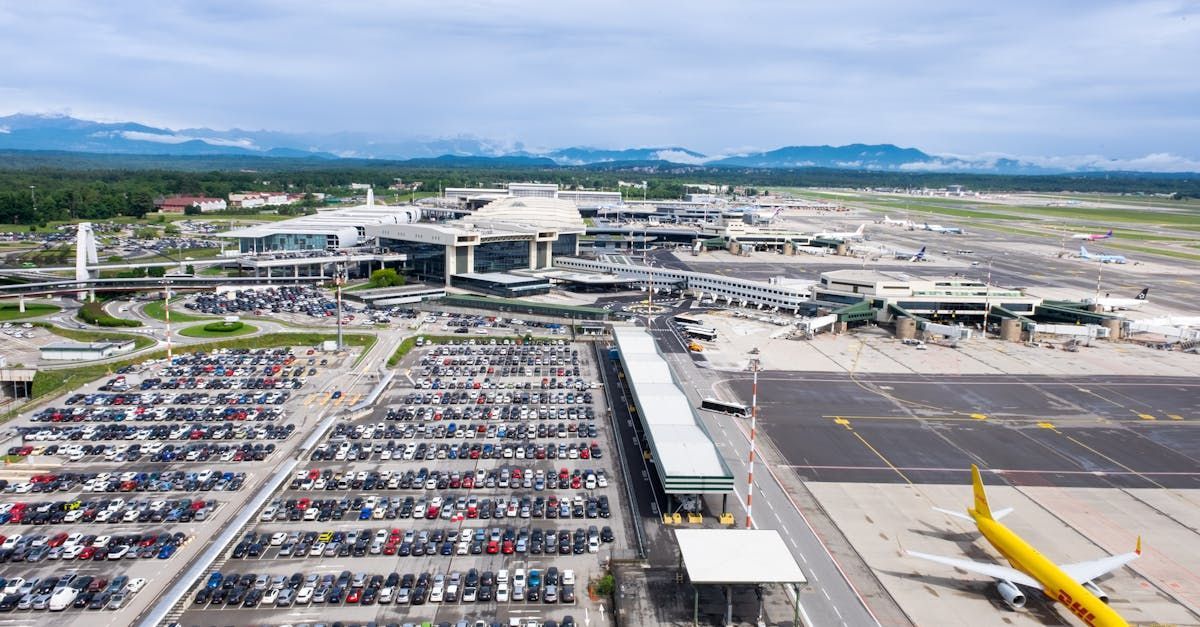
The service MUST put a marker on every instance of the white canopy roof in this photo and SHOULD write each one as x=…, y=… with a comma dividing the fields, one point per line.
x=737, y=556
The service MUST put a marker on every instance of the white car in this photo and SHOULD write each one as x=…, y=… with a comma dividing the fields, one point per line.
x=135, y=585
x=502, y=591
x=306, y=593
x=436, y=594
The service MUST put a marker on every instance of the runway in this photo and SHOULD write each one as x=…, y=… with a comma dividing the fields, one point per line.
x=1125, y=432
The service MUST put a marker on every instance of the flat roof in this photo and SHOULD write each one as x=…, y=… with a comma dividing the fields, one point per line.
x=502, y=278
x=78, y=346
x=685, y=457
x=737, y=556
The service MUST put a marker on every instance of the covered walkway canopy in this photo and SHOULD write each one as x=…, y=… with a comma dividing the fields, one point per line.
x=685, y=457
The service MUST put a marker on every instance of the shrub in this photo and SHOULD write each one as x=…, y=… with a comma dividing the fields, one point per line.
x=93, y=313
x=224, y=327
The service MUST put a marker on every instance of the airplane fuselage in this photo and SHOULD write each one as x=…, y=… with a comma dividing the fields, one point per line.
x=1055, y=583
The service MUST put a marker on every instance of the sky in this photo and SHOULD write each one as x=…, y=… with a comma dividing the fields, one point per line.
x=1048, y=80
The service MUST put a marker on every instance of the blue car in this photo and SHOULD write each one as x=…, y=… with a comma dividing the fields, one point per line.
x=166, y=552
x=214, y=581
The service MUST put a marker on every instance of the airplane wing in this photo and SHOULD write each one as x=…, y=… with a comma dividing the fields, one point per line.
x=1083, y=572
x=995, y=571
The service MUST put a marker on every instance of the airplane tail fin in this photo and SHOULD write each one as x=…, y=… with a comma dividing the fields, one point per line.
x=981, y=503
x=1138, y=549
x=1083, y=251
x=1109, y=233
x=861, y=228
x=1142, y=294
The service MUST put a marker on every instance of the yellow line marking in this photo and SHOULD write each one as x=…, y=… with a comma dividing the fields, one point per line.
x=842, y=421
x=1126, y=468
x=309, y=401
x=979, y=416
x=1174, y=416
x=1146, y=417
x=324, y=399
x=885, y=460
x=1046, y=425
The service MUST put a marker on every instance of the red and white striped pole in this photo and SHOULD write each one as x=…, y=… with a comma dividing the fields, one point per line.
x=167, y=314
x=753, y=429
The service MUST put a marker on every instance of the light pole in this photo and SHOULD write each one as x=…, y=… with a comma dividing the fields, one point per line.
x=754, y=365
x=338, y=281
x=987, y=298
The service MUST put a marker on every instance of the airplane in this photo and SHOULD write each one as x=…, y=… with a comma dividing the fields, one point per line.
x=1109, y=303
x=1091, y=237
x=1072, y=585
x=858, y=234
x=917, y=256
x=889, y=221
x=945, y=230
x=1084, y=254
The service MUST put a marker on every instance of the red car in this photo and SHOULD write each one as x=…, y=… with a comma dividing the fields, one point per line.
x=354, y=596
x=493, y=547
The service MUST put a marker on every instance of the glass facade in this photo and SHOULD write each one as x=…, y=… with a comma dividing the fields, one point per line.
x=426, y=261
x=287, y=241
x=564, y=246
x=501, y=256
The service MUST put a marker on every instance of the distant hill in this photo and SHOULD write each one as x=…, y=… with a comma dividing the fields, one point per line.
x=57, y=133
x=852, y=157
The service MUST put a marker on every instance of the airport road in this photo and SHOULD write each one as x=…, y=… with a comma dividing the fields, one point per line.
x=831, y=598
x=1100, y=431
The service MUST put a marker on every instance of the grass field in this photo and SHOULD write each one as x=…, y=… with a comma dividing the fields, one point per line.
x=52, y=382
x=11, y=311
x=156, y=310
x=80, y=335
x=199, y=330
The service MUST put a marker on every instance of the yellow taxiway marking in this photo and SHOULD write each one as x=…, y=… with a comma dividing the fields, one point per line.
x=1046, y=425
x=309, y=401
x=354, y=400
x=880, y=456
x=1146, y=417
x=1174, y=416
x=842, y=421
x=979, y=416
x=324, y=399
x=338, y=400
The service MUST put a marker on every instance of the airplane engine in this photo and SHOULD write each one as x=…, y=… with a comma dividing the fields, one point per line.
x=1094, y=589
x=1012, y=595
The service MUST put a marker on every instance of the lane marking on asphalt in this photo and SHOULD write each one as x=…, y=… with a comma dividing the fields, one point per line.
x=880, y=455
x=1174, y=416
x=1146, y=416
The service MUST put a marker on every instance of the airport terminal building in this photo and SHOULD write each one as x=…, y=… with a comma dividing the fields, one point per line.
x=947, y=296
x=524, y=233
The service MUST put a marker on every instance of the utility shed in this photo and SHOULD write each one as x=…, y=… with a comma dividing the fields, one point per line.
x=737, y=557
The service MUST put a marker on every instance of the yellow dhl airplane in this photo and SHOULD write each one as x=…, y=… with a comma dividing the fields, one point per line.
x=1069, y=584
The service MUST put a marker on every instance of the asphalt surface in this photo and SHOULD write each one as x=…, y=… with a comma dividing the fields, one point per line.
x=1127, y=432
x=841, y=589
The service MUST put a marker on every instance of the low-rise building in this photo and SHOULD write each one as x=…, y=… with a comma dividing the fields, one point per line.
x=180, y=204
x=77, y=351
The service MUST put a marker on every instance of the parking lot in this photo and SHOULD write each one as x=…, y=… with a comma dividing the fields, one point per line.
x=480, y=487
x=112, y=489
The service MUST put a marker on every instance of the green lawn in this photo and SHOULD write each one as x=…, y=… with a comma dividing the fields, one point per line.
x=11, y=311
x=52, y=382
x=80, y=335
x=200, y=331
x=156, y=310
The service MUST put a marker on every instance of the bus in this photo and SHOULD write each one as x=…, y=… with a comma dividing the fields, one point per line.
x=733, y=409
x=707, y=334
x=684, y=320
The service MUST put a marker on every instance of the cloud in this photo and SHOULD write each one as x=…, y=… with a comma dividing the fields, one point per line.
x=1021, y=77
x=679, y=156
x=161, y=138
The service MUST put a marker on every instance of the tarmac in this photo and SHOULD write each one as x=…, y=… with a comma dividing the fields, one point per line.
x=1067, y=524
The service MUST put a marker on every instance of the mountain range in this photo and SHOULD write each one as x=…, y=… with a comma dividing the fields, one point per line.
x=28, y=132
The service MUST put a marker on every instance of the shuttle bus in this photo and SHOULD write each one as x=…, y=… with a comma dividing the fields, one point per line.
x=700, y=333
x=733, y=409
x=685, y=320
